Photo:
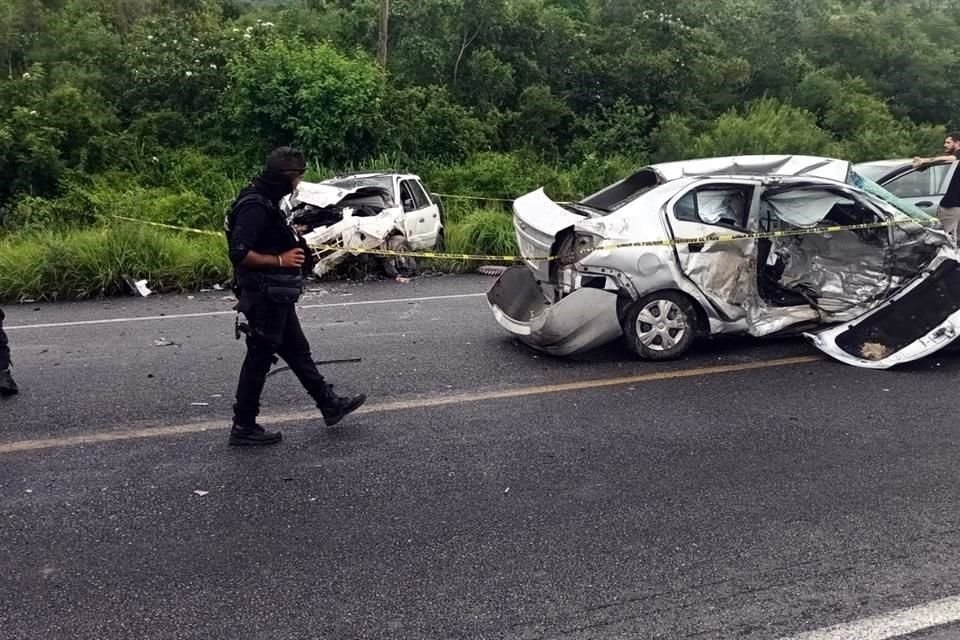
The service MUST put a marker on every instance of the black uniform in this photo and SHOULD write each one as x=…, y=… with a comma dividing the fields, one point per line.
x=7, y=386
x=267, y=298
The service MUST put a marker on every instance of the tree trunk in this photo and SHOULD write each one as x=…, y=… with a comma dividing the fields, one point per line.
x=384, y=28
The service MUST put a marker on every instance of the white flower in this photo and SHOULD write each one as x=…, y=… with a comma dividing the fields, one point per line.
x=268, y=24
x=196, y=62
x=213, y=66
x=189, y=73
x=149, y=37
x=33, y=112
x=249, y=29
x=26, y=76
x=155, y=159
x=196, y=39
x=235, y=30
x=174, y=42
x=247, y=35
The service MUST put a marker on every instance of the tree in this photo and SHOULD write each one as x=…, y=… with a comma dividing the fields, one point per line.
x=287, y=92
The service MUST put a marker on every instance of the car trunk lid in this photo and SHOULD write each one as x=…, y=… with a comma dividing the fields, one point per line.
x=537, y=220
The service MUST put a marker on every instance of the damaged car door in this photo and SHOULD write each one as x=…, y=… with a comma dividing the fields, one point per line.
x=889, y=284
x=921, y=319
x=723, y=270
x=421, y=216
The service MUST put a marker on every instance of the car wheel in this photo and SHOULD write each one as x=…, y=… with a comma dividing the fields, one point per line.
x=660, y=326
x=398, y=265
x=440, y=244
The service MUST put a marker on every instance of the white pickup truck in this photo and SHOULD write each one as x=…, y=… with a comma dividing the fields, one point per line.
x=391, y=211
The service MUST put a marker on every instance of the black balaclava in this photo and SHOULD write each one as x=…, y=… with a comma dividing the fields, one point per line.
x=282, y=167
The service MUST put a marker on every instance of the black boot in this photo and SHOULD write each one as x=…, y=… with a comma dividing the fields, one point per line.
x=7, y=386
x=335, y=408
x=253, y=435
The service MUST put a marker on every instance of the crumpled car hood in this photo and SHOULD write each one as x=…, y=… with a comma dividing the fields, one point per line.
x=318, y=194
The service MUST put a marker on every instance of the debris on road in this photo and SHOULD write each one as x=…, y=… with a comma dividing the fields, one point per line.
x=138, y=286
x=201, y=493
x=491, y=270
x=163, y=342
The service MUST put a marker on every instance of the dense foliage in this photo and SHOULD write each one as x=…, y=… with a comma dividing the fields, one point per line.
x=161, y=108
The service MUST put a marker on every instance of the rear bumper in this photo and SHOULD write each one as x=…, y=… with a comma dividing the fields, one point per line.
x=583, y=320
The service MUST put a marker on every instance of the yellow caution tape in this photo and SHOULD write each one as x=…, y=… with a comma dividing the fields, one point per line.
x=205, y=232
x=713, y=238
x=481, y=198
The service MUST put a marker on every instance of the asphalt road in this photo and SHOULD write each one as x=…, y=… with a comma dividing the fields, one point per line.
x=752, y=490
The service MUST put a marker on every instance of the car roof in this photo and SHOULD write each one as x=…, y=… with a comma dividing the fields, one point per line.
x=373, y=174
x=754, y=165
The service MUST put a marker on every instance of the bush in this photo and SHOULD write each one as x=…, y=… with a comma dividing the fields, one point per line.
x=55, y=265
x=289, y=92
x=35, y=213
x=768, y=126
x=622, y=130
x=422, y=122
x=501, y=175
x=483, y=232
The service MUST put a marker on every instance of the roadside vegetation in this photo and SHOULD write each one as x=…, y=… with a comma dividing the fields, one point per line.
x=161, y=109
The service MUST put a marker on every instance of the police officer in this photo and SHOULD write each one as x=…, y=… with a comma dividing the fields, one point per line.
x=7, y=386
x=268, y=276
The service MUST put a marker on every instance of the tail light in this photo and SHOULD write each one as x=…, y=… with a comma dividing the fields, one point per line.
x=575, y=247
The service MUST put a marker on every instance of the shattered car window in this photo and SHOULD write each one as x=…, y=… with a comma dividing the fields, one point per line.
x=889, y=202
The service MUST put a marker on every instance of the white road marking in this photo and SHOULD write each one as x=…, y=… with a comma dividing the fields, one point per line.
x=180, y=316
x=891, y=625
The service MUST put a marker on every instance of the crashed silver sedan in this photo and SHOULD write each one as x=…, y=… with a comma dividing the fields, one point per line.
x=651, y=259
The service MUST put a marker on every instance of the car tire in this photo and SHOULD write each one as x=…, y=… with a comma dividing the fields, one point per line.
x=660, y=326
x=395, y=266
x=440, y=244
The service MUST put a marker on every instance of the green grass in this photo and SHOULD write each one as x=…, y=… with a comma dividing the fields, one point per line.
x=483, y=232
x=69, y=265
x=94, y=262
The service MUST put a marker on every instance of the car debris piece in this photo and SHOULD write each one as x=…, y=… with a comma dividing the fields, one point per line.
x=871, y=279
x=138, y=286
x=201, y=493
x=348, y=215
x=163, y=342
